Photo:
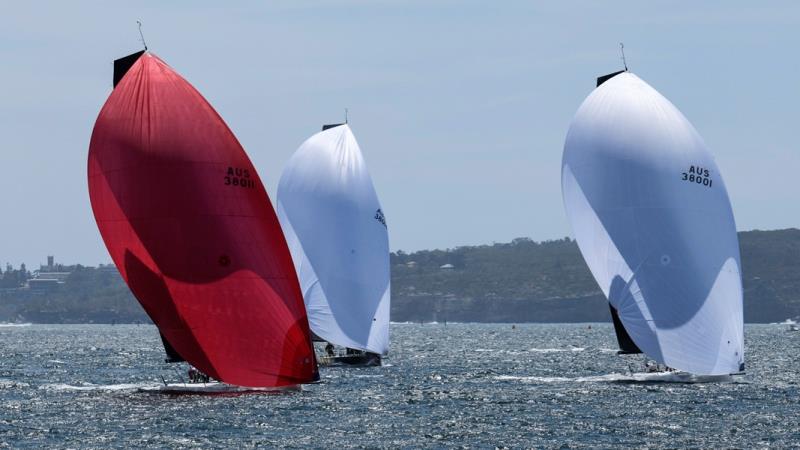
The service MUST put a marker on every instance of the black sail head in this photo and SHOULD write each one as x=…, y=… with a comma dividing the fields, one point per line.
x=122, y=65
x=333, y=125
x=604, y=78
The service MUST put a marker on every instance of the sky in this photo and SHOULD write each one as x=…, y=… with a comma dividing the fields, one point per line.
x=460, y=107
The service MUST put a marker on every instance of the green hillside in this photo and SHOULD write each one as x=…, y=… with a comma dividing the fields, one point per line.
x=520, y=281
x=527, y=281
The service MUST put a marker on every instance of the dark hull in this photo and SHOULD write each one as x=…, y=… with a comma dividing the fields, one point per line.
x=216, y=389
x=364, y=360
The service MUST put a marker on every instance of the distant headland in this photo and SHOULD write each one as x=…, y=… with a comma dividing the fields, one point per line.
x=515, y=282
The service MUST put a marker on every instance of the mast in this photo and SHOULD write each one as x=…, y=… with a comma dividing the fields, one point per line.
x=122, y=65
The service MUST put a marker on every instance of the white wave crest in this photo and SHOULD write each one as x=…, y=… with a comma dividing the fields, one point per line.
x=98, y=387
x=556, y=350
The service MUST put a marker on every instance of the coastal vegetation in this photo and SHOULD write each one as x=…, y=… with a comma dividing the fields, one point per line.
x=518, y=281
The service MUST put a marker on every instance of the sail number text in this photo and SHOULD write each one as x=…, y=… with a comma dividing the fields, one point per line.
x=698, y=175
x=239, y=177
x=380, y=217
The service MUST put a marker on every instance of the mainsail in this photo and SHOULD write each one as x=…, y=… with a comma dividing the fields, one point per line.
x=189, y=225
x=652, y=218
x=338, y=238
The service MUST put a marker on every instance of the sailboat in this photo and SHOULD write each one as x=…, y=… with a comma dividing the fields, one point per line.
x=189, y=226
x=652, y=218
x=338, y=238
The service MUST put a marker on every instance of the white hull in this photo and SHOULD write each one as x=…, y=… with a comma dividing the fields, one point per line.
x=631, y=378
x=367, y=360
x=674, y=377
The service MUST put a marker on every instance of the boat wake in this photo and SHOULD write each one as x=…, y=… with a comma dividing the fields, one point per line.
x=88, y=387
x=212, y=388
x=556, y=350
x=632, y=378
x=7, y=384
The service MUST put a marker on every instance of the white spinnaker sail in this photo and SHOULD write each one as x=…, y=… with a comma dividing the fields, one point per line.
x=337, y=234
x=654, y=223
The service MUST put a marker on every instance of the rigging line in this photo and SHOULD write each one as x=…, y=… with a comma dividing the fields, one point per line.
x=345, y=116
x=141, y=35
x=629, y=283
x=180, y=377
x=622, y=51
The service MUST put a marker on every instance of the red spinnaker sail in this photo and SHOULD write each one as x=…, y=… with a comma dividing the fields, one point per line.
x=190, y=227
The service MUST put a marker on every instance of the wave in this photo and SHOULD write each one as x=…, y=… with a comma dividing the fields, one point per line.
x=6, y=384
x=14, y=325
x=556, y=350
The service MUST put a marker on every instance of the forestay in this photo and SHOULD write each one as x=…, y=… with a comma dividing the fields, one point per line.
x=338, y=238
x=653, y=221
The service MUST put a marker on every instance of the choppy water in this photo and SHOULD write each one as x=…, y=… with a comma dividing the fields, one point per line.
x=443, y=386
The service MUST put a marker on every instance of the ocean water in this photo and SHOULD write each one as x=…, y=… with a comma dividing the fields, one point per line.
x=459, y=385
